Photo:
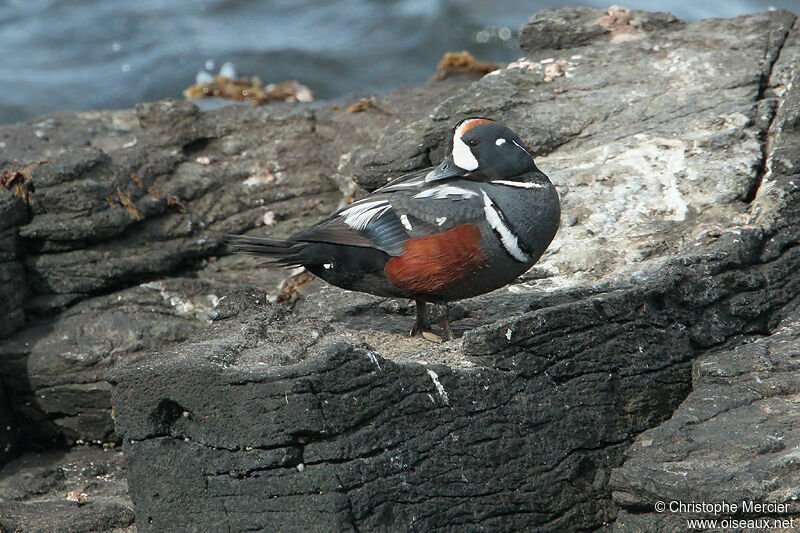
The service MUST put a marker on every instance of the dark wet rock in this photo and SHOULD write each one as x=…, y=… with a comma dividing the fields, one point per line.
x=13, y=292
x=54, y=517
x=570, y=27
x=344, y=433
x=115, y=250
x=673, y=148
x=81, y=490
x=13, y=288
x=9, y=430
x=675, y=166
x=733, y=439
x=54, y=369
x=151, y=194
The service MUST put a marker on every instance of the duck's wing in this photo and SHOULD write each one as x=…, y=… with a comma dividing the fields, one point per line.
x=405, y=209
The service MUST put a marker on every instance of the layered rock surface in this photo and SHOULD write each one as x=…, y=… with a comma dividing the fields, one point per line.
x=750, y=393
x=680, y=231
x=83, y=489
x=109, y=203
x=673, y=147
x=109, y=239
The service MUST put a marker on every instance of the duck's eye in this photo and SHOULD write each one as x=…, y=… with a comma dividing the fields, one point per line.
x=472, y=142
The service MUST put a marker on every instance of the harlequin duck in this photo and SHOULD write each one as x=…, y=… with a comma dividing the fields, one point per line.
x=471, y=225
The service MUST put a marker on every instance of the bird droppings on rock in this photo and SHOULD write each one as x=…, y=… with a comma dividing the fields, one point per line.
x=461, y=63
x=269, y=218
x=439, y=387
x=260, y=175
x=554, y=69
x=373, y=357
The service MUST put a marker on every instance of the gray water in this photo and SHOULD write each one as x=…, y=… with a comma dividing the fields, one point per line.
x=59, y=55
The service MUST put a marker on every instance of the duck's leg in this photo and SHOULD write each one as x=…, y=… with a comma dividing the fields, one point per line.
x=444, y=321
x=422, y=324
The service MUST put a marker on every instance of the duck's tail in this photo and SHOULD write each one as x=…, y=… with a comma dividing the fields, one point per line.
x=281, y=252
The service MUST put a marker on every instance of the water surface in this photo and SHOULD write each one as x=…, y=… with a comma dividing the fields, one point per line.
x=58, y=55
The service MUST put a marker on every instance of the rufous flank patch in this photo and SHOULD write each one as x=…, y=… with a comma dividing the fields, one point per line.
x=431, y=264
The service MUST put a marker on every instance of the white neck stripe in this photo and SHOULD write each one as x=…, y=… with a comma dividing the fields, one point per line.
x=521, y=184
x=507, y=237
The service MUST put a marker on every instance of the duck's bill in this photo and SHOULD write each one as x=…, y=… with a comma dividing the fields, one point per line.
x=447, y=169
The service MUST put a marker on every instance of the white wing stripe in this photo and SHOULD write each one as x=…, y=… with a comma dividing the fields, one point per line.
x=507, y=237
x=522, y=184
x=416, y=183
x=358, y=216
x=443, y=191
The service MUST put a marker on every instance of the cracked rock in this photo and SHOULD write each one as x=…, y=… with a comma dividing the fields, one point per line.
x=673, y=148
x=115, y=249
x=673, y=153
x=80, y=490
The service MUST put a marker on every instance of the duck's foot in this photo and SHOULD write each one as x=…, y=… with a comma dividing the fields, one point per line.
x=422, y=323
x=431, y=336
x=444, y=322
x=422, y=326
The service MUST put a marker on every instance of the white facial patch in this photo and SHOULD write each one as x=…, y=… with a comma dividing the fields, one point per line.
x=507, y=237
x=462, y=155
x=520, y=184
x=445, y=191
x=441, y=220
x=327, y=266
x=359, y=215
x=406, y=224
x=500, y=142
